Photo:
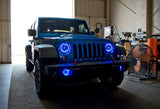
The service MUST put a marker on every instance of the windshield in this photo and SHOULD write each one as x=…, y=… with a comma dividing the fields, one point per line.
x=63, y=26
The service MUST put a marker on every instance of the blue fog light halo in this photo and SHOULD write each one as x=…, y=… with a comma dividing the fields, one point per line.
x=65, y=48
x=120, y=67
x=67, y=72
x=109, y=47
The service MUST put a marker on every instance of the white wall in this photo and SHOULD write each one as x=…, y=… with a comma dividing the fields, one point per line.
x=128, y=15
x=93, y=8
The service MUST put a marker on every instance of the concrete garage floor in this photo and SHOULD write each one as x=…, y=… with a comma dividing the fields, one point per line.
x=132, y=93
x=5, y=77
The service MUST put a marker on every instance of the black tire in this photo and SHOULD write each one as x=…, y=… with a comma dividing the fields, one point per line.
x=29, y=66
x=113, y=80
x=28, y=52
x=40, y=79
x=122, y=50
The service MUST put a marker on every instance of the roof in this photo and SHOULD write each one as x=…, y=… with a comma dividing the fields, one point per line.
x=59, y=18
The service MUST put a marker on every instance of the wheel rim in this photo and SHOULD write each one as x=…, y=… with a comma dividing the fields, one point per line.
x=37, y=76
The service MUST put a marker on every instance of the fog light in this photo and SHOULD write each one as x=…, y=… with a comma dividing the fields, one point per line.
x=120, y=68
x=67, y=72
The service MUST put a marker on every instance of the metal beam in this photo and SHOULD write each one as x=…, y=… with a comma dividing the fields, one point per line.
x=149, y=23
x=127, y=7
x=108, y=12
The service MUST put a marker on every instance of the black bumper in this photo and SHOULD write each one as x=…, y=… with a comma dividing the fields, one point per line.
x=87, y=70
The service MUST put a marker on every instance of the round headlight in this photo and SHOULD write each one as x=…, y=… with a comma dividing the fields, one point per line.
x=109, y=47
x=65, y=48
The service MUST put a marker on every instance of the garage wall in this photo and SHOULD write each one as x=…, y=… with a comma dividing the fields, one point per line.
x=128, y=15
x=5, y=39
x=92, y=11
x=156, y=16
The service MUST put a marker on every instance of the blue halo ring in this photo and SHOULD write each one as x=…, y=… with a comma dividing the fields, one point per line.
x=109, y=47
x=67, y=72
x=65, y=48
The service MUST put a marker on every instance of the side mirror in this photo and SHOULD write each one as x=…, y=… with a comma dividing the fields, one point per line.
x=31, y=32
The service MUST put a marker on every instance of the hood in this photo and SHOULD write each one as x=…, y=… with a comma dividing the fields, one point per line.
x=71, y=37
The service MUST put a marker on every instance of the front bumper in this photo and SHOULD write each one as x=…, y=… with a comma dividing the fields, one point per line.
x=87, y=70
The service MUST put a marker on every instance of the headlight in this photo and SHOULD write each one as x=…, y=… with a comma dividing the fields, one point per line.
x=109, y=47
x=65, y=48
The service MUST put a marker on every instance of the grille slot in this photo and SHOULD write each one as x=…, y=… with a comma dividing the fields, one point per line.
x=80, y=50
x=88, y=51
x=94, y=51
x=103, y=51
x=85, y=50
x=99, y=50
x=75, y=51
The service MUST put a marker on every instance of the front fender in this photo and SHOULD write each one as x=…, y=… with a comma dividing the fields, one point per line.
x=46, y=51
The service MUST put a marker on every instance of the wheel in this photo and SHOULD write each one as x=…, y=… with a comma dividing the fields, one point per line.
x=28, y=52
x=40, y=79
x=29, y=66
x=113, y=80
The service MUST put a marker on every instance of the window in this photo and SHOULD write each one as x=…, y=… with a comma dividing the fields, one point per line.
x=63, y=26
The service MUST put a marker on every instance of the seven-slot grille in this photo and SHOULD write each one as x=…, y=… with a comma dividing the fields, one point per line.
x=89, y=51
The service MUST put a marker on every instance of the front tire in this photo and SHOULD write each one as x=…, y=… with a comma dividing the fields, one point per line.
x=28, y=53
x=29, y=66
x=40, y=79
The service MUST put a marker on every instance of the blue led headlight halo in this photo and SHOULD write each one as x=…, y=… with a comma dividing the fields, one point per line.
x=65, y=48
x=109, y=47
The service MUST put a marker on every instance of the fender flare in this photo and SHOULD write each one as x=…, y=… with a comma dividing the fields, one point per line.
x=121, y=50
x=46, y=51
